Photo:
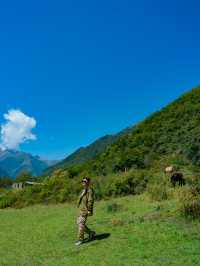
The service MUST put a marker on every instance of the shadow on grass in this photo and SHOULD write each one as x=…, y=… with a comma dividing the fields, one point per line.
x=99, y=237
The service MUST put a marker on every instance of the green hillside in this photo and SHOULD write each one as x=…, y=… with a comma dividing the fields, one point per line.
x=89, y=152
x=85, y=153
x=174, y=130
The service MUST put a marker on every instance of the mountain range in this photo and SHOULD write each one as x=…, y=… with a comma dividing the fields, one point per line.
x=13, y=162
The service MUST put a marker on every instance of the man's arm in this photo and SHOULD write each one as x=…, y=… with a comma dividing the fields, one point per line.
x=80, y=198
x=90, y=201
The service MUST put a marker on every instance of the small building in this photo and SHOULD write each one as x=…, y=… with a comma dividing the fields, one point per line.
x=21, y=185
x=18, y=185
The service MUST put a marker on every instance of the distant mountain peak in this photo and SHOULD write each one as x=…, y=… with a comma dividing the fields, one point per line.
x=13, y=162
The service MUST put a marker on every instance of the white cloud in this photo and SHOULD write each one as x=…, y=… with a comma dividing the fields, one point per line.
x=17, y=129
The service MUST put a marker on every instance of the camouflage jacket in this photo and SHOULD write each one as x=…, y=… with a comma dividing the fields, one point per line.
x=86, y=201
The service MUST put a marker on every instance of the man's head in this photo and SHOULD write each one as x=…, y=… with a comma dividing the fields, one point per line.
x=86, y=182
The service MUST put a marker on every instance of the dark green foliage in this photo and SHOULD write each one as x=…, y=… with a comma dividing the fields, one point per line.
x=5, y=182
x=9, y=199
x=24, y=176
x=124, y=184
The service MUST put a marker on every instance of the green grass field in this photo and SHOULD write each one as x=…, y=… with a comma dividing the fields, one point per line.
x=139, y=233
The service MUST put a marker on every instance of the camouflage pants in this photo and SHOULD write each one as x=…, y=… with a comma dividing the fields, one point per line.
x=82, y=228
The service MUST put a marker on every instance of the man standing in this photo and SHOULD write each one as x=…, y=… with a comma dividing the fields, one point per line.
x=85, y=204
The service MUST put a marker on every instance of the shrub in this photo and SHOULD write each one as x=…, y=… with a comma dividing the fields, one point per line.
x=113, y=207
x=132, y=182
x=189, y=202
x=62, y=196
x=158, y=192
x=8, y=199
x=194, y=181
x=5, y=202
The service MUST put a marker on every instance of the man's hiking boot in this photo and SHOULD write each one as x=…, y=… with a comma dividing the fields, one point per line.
x=79, y=242
x=92, y=235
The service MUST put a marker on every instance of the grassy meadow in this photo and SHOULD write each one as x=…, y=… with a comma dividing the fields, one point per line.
x=132, y=230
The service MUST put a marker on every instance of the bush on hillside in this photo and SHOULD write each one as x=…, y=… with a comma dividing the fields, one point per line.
x=189, y=202
x=125, y=184
x=158, y=192
x=113, y=207
x=194, y=181
x=8, y=199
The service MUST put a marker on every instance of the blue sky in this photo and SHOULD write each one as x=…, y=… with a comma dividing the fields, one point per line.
x=84, y=69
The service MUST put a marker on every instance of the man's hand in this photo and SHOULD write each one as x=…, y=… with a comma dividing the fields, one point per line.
x=89, y=213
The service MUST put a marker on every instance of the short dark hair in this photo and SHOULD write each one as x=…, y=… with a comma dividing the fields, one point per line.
x=86, y=179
